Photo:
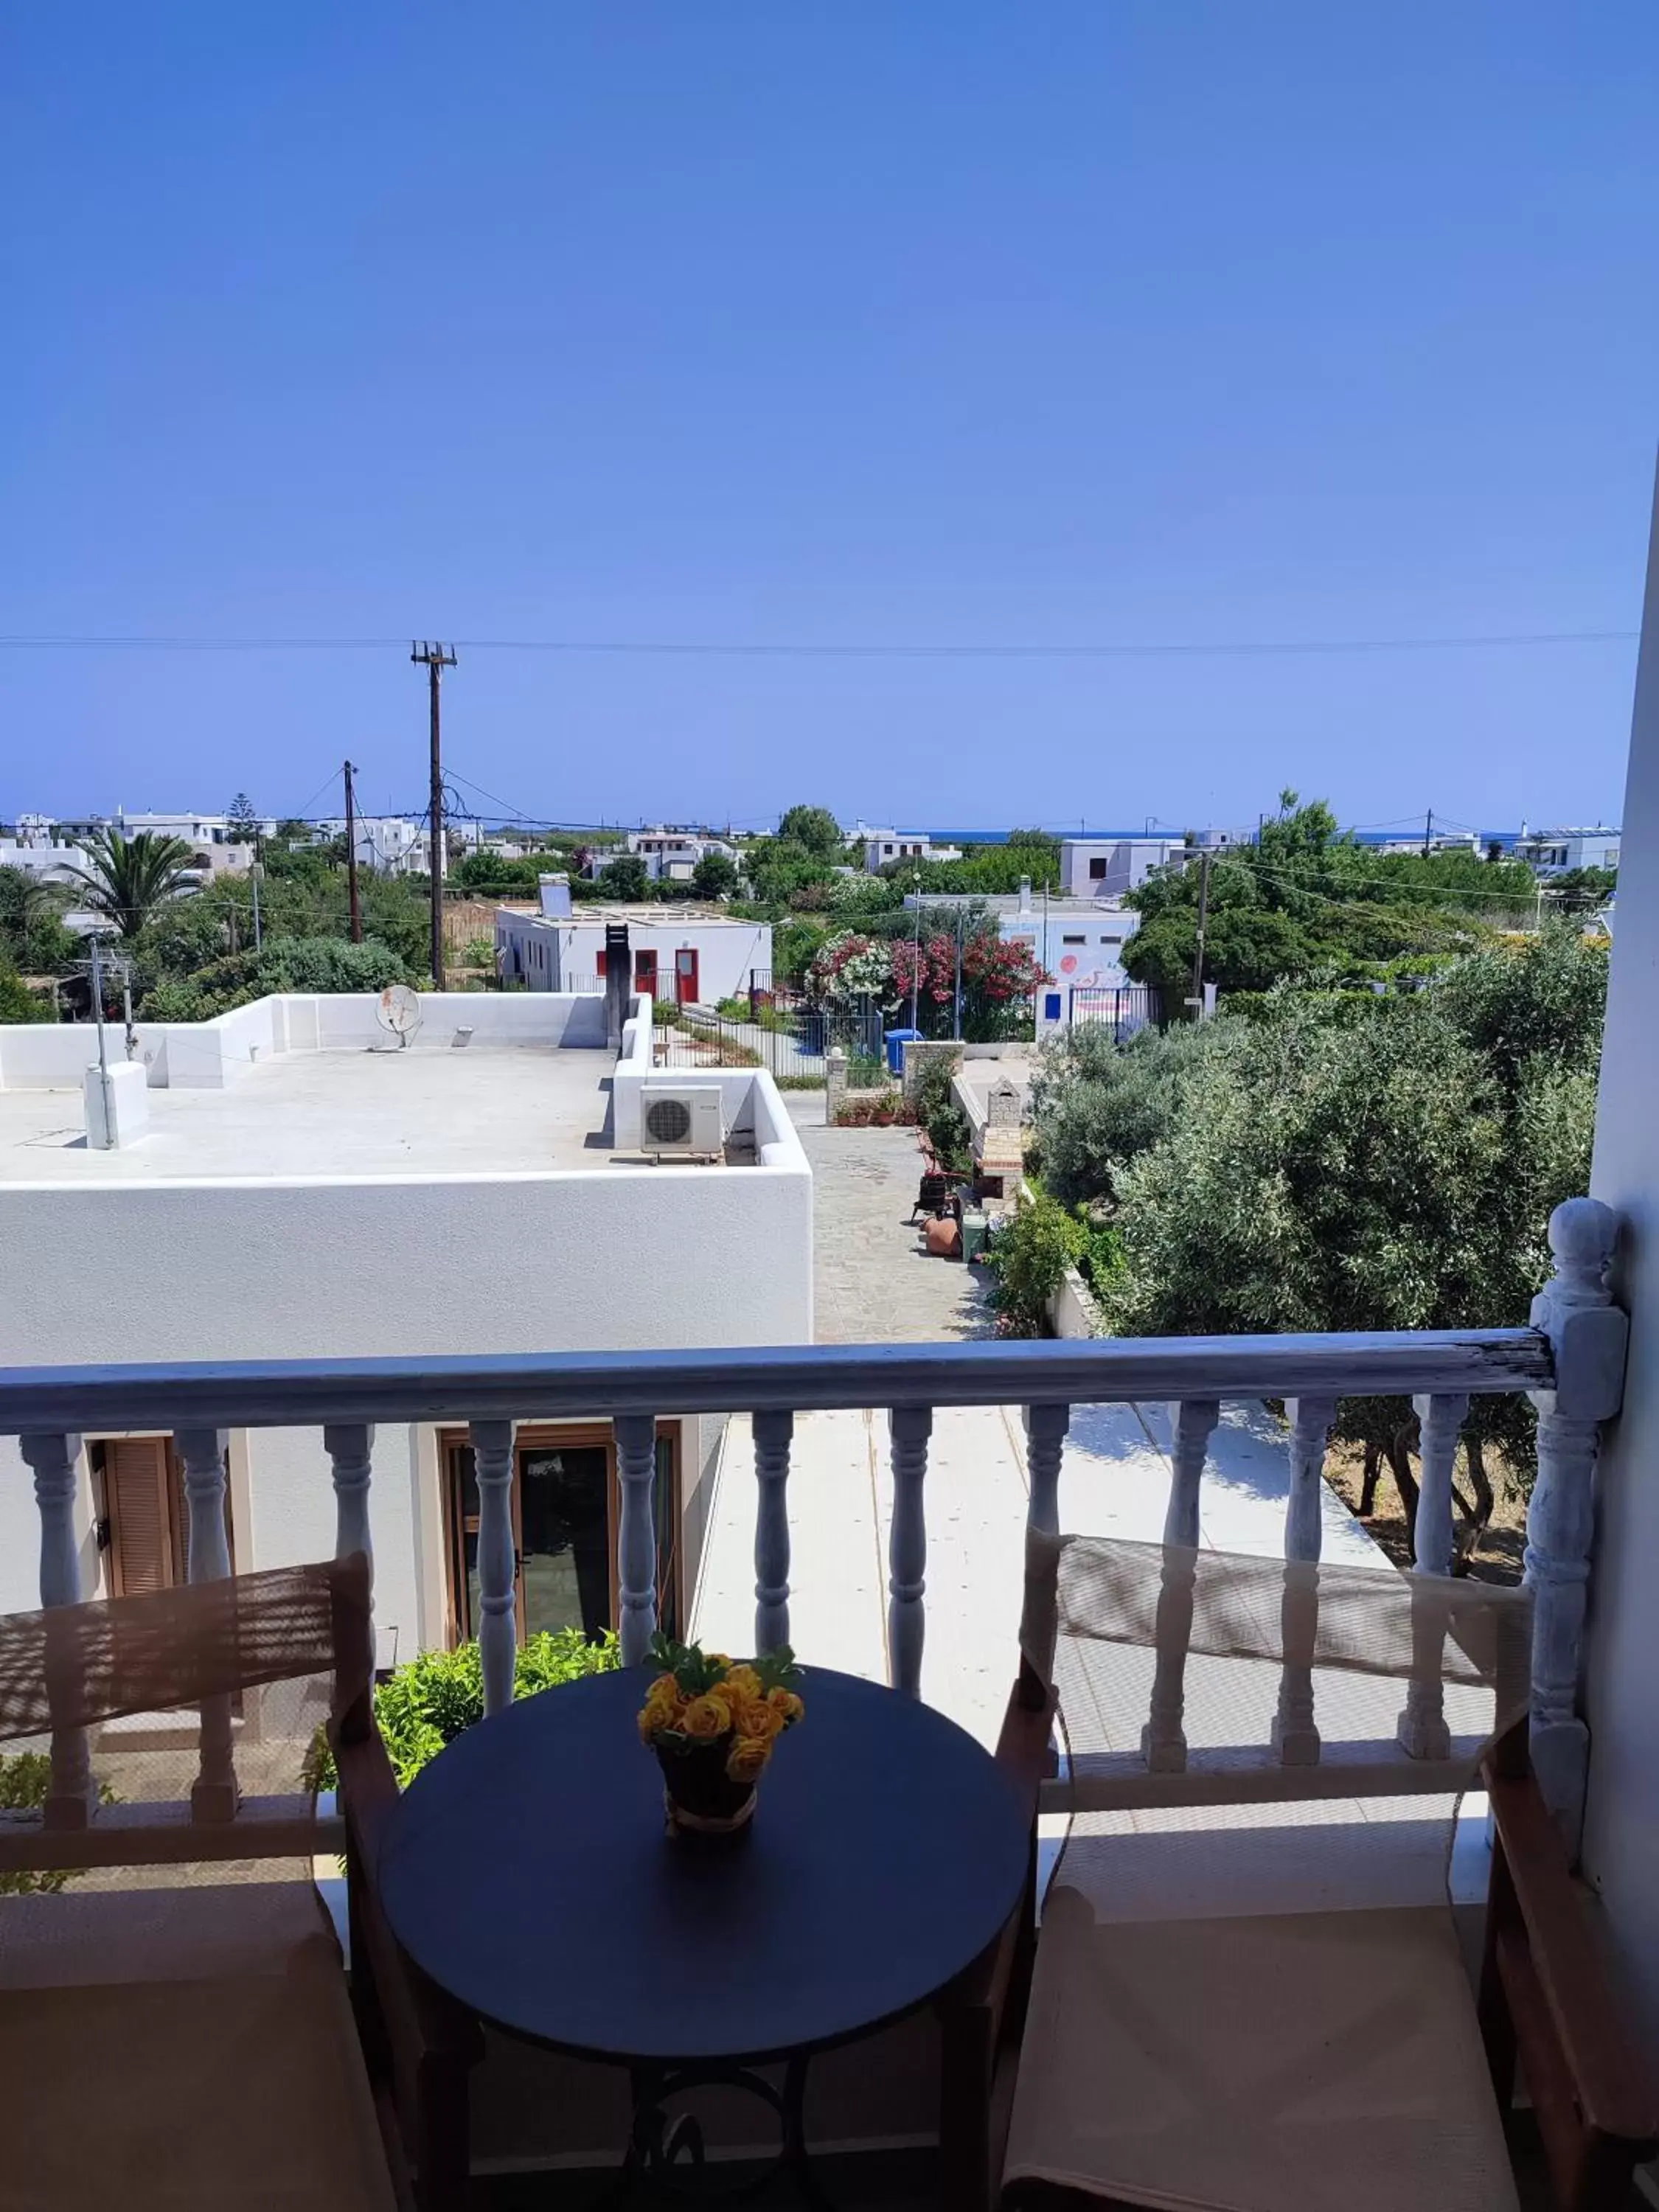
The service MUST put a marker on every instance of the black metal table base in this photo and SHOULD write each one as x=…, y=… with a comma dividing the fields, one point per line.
x=666, y=2155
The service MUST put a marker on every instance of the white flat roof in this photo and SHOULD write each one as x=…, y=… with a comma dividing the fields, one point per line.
x=590, y=916
x=352, y=1112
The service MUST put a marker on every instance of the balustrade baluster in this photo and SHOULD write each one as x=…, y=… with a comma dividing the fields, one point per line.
x=1045, y=1444
x=1164, y=1740
x=55, y=1459
x=202, y=1454
x=1194, y=1425
x=1295, y=1733
x=909, y=1427
x=349, y=1446
x=1423, y=1733
x=636, y=1533
x=1587, y=1336
x=498, y=1596
x=774, y=1432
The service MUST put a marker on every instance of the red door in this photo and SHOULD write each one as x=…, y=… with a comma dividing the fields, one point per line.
x=685, y=975
x=645, y=974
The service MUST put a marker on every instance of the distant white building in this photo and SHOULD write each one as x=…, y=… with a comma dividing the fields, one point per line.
x=218, y=845
x=389, y=844
x=1107, y=867
x=1556, y=851
x=670, y=855
x=1078, y=943
x=684, y=955
x=882, y=847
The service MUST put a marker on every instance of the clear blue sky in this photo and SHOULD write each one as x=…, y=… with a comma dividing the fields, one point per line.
x=747, y=323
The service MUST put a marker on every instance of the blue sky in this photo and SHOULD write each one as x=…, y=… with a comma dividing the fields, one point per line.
x=1125, y=325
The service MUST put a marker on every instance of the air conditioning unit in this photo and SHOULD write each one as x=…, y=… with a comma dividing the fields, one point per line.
x=683, y=1120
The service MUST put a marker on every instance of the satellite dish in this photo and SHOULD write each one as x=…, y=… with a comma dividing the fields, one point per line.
x=399, y=1012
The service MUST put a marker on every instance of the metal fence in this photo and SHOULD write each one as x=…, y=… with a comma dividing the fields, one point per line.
x=1128, y=1008
x=793, y=1044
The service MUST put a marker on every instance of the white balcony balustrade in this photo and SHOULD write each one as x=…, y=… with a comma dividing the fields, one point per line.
x=1570, y=1360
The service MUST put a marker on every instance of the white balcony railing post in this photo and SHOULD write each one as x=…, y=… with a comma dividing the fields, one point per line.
x=773, y=1433
x=910, y=1427
x=1295, y=1731
x=1045, y=1444
x=202, y=1454
x=636, y=1533
x=1164, y=1738
x=1423, y=1733
x=54, y=1458
x=1194, y=1425
x=498, y=1582
x=1588, y=1334
x=349, y=1446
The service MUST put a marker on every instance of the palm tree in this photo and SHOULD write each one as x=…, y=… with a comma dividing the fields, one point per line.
x=128, y=879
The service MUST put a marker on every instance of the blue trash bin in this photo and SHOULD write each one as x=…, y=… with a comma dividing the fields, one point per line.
x=897, y=1041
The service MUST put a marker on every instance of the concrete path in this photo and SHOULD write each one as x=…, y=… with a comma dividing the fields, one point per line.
x=873, y=1284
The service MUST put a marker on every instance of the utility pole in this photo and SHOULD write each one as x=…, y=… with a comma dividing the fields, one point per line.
x=351, y=858
x=436, y=659
x=1196, y=1002
x=1428, y=832
x=253, y=885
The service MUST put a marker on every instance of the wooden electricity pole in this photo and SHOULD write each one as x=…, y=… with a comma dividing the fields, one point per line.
x=1196, y=1002
x=436, y=659
x=351, y=860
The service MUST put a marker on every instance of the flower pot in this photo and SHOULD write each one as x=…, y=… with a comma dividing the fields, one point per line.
x=699, y=1795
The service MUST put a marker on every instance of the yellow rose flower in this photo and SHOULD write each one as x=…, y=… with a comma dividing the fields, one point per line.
x=664, y=1687
x=787, y=1704
x=758, y=1721
x=743, y=1684
x=746, y=1760
x=706, y=1717
x=651, y=1719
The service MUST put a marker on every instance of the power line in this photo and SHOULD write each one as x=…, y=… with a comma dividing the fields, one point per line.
x=646, y=648
x=1429, y=891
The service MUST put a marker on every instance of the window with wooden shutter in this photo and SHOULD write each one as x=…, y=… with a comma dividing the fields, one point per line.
x=149, y=1514
x=138, y=1499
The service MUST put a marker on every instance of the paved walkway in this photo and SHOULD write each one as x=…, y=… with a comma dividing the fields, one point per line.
x=873, y=1284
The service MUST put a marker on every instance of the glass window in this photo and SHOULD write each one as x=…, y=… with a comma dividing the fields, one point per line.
x=1097, y=869
x=1078, y=939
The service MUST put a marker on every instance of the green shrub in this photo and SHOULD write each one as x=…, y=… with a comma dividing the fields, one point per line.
x=939, y=1117
x=25, y=1783
x=1027, y=1259
x=18, y=1003
x=881, y=1109
x=429, y=1701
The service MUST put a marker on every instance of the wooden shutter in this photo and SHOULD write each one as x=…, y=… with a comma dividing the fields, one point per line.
x=138, y=1494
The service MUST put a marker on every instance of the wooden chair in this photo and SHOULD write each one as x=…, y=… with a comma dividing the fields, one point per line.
x=1248, y=1992
x=420, y=2045
x=175, y=2028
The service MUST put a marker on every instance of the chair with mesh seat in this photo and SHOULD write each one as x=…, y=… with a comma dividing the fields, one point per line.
x=1250, y=1992
x=175, y=2023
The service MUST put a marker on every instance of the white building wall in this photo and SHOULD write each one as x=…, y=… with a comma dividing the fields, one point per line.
x=550, y=953
x=1621, y=1831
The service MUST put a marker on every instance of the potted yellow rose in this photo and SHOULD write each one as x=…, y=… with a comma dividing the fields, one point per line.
x=712, y=1723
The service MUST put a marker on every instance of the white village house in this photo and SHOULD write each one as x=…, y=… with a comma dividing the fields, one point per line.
x=681, y=955
x=311, y=1185
x=671, y=854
